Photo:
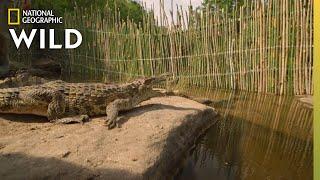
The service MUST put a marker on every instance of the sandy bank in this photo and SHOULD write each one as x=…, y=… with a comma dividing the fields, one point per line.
x=149, y=145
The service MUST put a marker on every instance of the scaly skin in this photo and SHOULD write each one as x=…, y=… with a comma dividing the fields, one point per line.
x=67, y=102
x=22, y=79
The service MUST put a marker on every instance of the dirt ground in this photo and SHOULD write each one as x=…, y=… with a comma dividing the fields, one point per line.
x=150, y=143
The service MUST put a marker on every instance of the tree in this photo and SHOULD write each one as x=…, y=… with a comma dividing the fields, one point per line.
x=127, y=8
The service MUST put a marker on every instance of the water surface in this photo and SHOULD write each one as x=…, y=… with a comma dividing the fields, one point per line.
x=257, y=137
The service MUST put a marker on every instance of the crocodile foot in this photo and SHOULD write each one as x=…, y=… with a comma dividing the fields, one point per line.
x=112, y=123
x=76, y=119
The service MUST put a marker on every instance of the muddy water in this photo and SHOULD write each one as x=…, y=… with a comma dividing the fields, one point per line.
x=257, y=137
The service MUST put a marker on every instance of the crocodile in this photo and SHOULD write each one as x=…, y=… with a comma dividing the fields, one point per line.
x=21, y=79
x=64, y=102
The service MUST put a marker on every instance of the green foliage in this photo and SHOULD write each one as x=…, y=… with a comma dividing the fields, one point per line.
x=228, y=5
x=59, y=6
x=127, y=8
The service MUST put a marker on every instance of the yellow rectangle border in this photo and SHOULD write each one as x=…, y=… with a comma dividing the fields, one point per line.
x=9, y=16
x=316, y=100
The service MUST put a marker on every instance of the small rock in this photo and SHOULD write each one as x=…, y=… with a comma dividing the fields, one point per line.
x=93, y=176
x=66, y=154
x=2, y=146
x=134, y=159
x=116, y=139
x=32, y=129
x=99, y=163
x=60, y=136
x=91, y=163
x=43, y=140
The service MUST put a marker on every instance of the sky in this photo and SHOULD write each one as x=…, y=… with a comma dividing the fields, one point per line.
x=168, y=4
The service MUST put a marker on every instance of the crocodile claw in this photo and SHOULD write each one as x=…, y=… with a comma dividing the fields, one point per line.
x=111, y=123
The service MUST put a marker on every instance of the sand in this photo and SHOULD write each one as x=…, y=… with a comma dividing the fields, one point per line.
x=150, y=144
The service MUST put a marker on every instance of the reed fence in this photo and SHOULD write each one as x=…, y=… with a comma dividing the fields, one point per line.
x=261, y=46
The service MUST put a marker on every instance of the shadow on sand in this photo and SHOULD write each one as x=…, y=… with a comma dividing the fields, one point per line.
x=20, y=166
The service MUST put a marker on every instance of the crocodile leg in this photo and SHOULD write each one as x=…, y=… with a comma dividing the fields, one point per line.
x=54, y=99
x=76, y=119
x=113, y=109
x=56, y=107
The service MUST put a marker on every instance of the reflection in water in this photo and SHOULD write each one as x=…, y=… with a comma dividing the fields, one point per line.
x=257, y=137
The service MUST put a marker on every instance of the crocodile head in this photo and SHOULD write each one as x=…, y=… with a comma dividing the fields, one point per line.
x=154, y=80
x=143, y=86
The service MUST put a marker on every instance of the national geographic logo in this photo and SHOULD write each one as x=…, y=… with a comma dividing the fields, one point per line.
x=40, y=17
x=33, y=16
x=13, y=16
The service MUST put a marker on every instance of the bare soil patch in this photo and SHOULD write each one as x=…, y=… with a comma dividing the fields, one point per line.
x=151, y=142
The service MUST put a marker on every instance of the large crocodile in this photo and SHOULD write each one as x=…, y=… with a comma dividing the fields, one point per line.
x=63, y=102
